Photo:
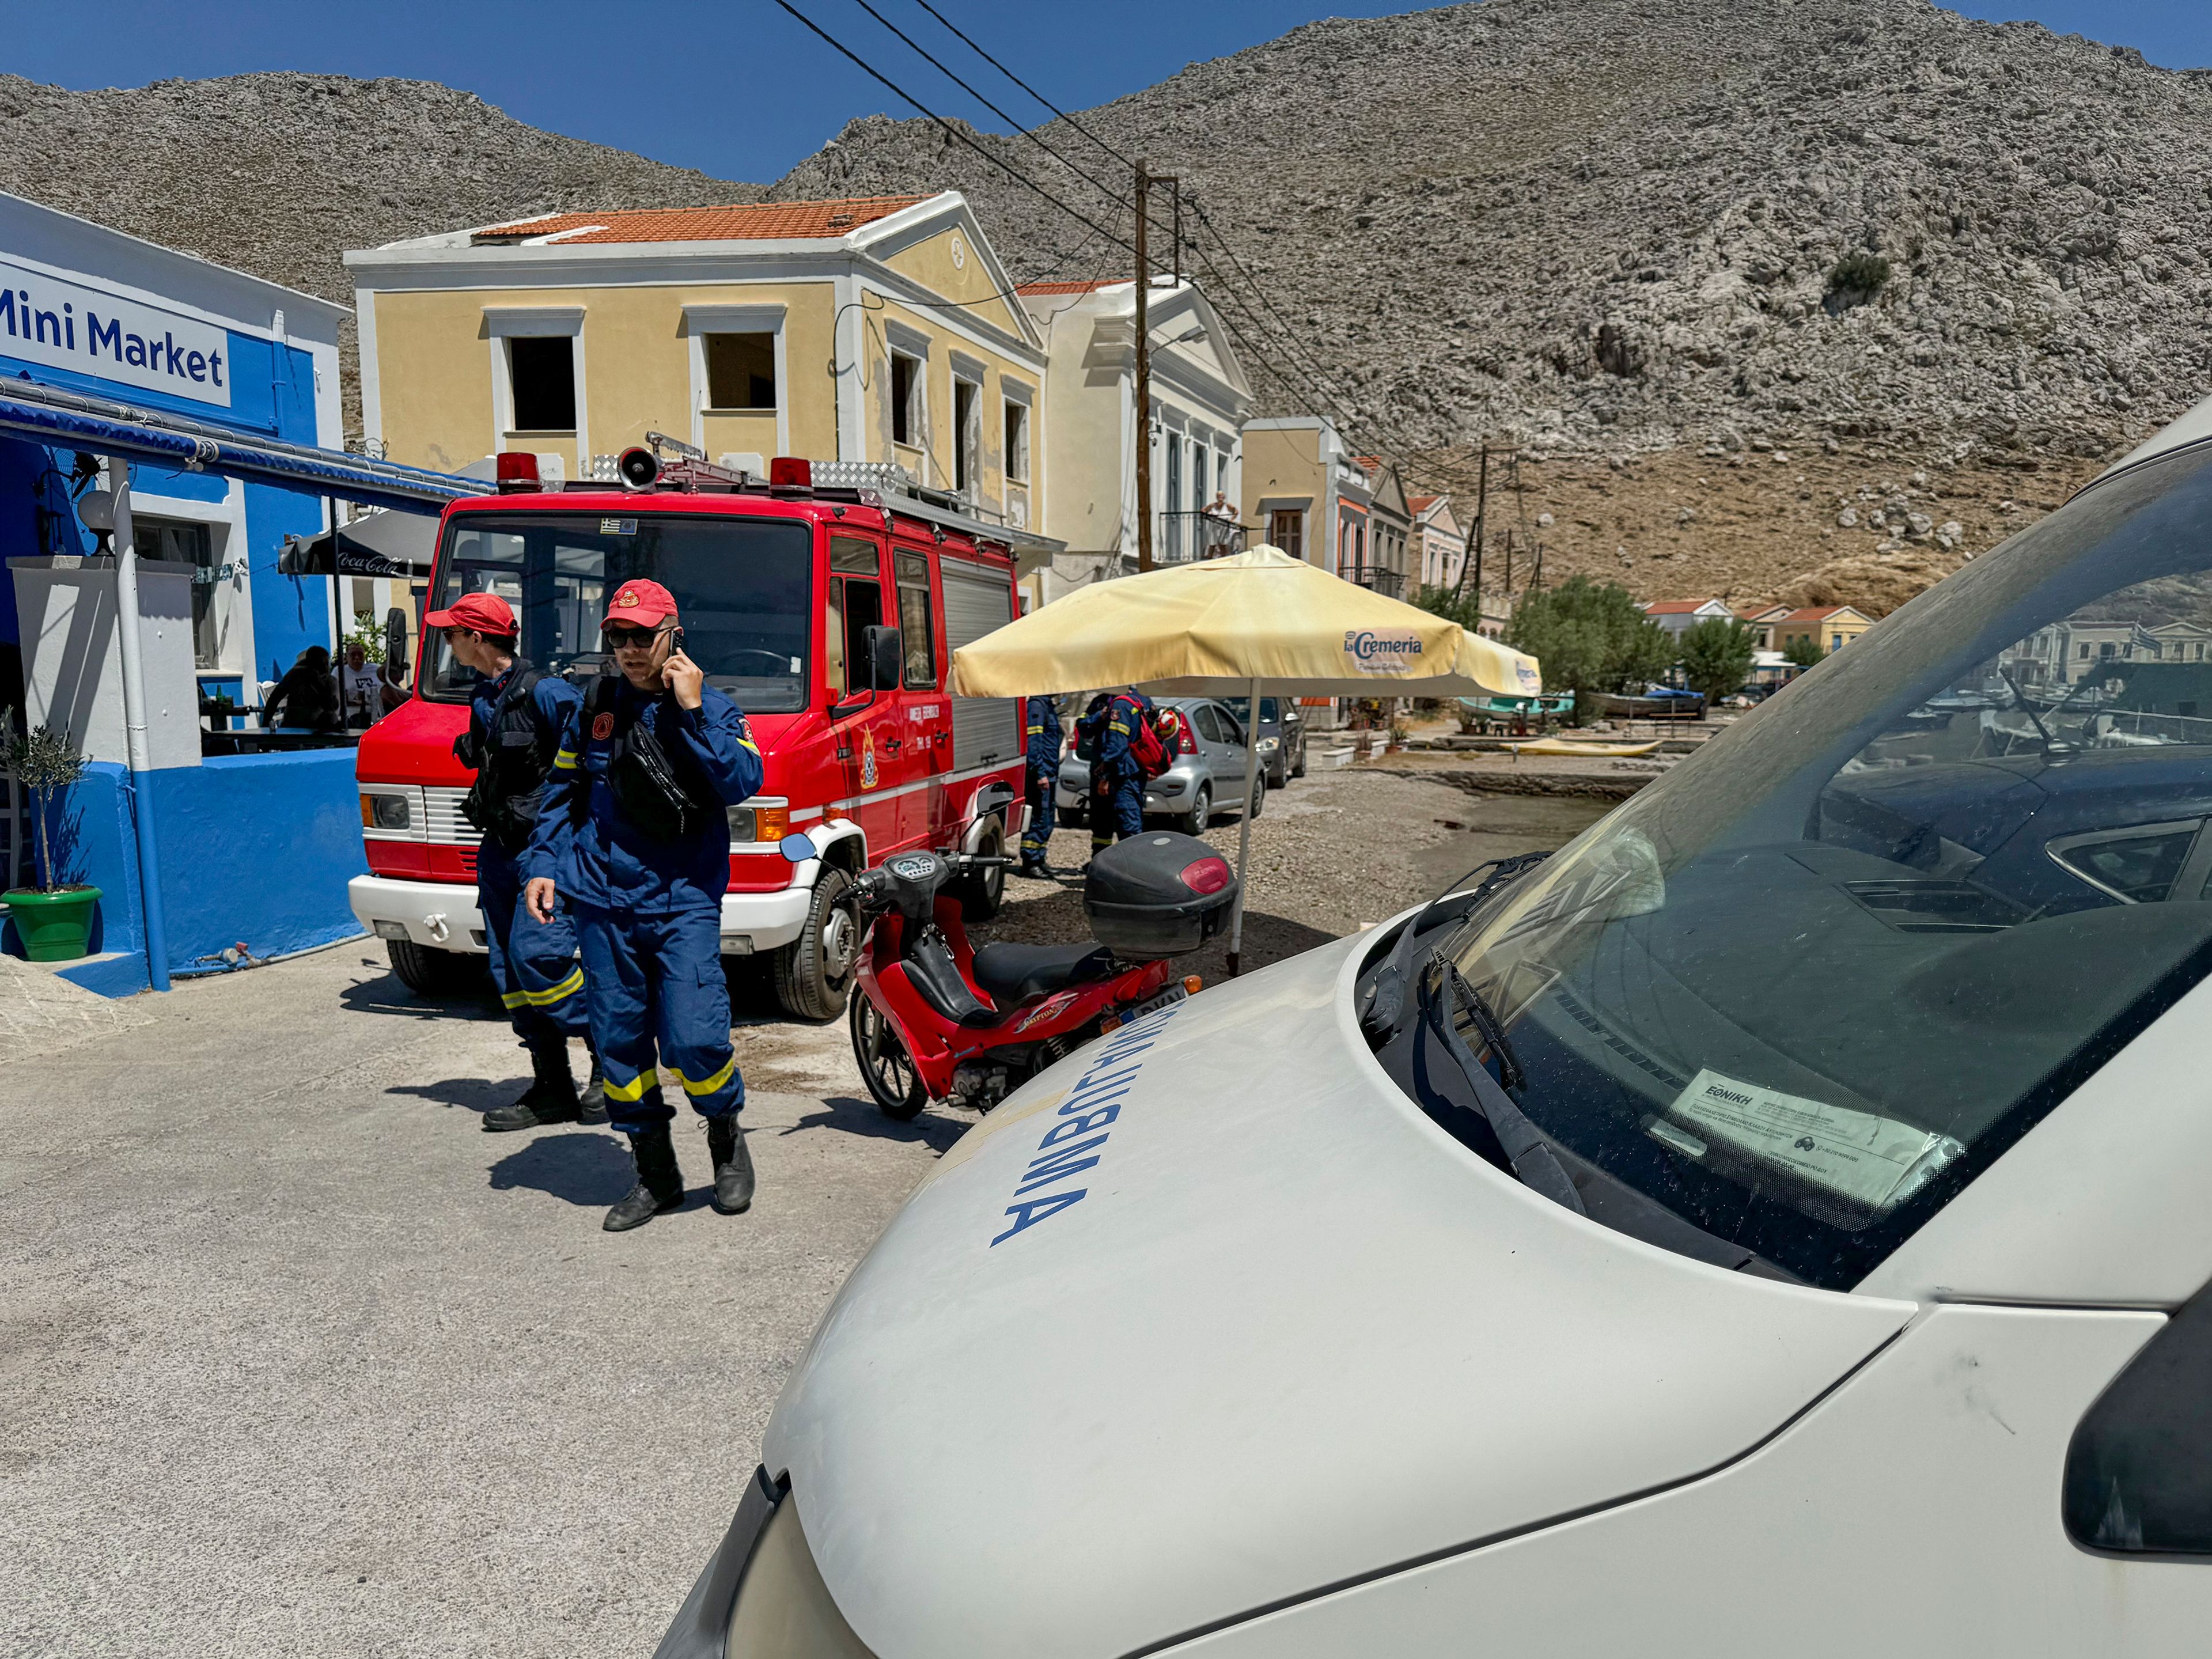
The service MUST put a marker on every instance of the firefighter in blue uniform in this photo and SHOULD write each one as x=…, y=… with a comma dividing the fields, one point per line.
x=1040, y=722
x=1117, y=785
x=516, y=717
x=633, y=833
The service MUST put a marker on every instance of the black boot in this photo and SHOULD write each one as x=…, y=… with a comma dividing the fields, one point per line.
x=550, y=1097
x=660, y=1182
x=593, y=1104
x=733, y=1165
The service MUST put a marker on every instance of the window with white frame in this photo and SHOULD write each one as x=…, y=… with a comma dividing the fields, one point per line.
x=906, y=398
x=967, y=436
x=541, y=378
x=1018, y=441
x=740, y=370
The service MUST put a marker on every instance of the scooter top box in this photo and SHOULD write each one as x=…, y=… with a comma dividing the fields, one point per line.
x=1159, y=894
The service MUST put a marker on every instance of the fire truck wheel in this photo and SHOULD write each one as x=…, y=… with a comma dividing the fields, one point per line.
x=885, y=1066
x=429, y=972
x=814, y=971
x=980, y=894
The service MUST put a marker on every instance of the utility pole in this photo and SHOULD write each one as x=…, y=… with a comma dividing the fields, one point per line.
x=1144, y=385
x=1509, y=562
x=1481, y=507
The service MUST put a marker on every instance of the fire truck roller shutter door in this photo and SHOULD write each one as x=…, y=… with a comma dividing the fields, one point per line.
x=979, y=599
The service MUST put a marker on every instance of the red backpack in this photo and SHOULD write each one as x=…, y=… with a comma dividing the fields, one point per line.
x=1153, y=739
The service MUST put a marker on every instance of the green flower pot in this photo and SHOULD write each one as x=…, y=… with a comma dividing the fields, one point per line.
x=53, y=926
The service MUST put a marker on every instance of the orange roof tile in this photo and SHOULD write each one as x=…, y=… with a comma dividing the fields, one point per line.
x=1091, y=287
x=1674, y=607
x=742, y=223
x=1421, y=503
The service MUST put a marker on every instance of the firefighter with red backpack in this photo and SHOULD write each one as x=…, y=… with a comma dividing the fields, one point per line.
x=1122, y=730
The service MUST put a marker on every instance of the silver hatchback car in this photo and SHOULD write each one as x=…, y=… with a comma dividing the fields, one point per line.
x=1207, y=776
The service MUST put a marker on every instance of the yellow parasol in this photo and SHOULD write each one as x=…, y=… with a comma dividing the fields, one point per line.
x=1236, y=625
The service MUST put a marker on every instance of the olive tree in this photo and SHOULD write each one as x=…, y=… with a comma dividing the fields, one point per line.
x=1590, y=638
x=1717, y=657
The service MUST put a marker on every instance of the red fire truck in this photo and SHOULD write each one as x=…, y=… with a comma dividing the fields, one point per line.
x=825, y=600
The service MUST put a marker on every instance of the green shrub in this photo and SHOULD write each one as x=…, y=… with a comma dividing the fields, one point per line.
x=1589, y=638
x=1716, y=656
x=1858, y=277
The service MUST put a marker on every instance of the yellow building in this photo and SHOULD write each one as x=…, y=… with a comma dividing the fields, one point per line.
x=1831, y=627
x=878, y=328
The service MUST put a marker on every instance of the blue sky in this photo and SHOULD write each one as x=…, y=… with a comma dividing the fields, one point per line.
x=741, y=91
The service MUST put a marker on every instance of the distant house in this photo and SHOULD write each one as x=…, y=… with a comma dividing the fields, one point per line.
x=1440, y=545
x=1303, y=490
x=1679, y=616
x=1387, y=567
x=1832, y=627
x=1761, y=620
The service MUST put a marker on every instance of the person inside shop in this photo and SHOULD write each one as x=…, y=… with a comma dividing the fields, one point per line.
x=633, y=834
x=306, y=698
x=516, y=717
x=358, y=682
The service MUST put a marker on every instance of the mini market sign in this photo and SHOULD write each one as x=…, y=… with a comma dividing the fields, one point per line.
x=64, y=325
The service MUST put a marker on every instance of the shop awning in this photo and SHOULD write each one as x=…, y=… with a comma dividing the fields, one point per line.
x=48, y=416
x=379, y=544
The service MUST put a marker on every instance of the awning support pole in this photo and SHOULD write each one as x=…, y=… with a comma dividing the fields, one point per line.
x=137, y=751
x=1244, y=834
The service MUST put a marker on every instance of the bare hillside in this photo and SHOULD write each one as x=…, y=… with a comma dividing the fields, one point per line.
x=1877, y=236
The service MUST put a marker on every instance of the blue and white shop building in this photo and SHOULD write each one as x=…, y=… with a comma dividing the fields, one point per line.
x=199, y=406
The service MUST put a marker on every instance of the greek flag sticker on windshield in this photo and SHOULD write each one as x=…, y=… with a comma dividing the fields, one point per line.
x=1873, y=1163
x=618, y=527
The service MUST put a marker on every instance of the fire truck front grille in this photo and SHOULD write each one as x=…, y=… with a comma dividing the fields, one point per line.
x=442, y=818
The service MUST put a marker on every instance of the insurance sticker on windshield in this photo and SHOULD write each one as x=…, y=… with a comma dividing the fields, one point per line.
x=1874, y=1161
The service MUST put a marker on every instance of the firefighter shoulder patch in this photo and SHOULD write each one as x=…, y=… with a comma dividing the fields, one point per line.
x=603, y=726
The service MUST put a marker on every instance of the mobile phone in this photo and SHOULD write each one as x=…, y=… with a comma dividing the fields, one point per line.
x=675, y=640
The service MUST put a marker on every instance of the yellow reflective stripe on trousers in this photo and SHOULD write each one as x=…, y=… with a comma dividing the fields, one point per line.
x=567, y=988
x=514, y=999
x=565, y=760
x=632, y=1090
x=708, y=1085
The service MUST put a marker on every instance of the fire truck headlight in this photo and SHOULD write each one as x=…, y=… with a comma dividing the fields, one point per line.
x=380, y=811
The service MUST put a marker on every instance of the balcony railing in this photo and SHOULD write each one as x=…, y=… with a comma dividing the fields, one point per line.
x=1391, y=584
x=1185, y=538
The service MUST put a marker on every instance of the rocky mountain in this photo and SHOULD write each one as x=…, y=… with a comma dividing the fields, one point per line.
x=1798, y=298
x=1808, y=297
x=279, y=174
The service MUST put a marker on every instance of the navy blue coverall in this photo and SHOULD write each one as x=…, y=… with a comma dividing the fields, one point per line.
x=1117, y=788
x=1040, y=724
x=534, y=965
x=648, y=913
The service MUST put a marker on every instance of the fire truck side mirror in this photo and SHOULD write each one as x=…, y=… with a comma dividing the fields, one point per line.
x=396, y=636
x=886, y=658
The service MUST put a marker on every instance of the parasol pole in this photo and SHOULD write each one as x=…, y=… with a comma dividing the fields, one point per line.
x=1244, y=831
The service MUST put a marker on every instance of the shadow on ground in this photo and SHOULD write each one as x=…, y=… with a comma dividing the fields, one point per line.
x=848, y=1116
x=581, y=1168
x=384, y=993
x=468, y=1094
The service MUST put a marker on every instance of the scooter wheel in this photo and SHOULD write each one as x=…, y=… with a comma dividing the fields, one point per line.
x=885, y=1066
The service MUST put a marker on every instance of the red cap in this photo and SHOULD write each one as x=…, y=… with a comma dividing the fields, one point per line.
x=640, y=603
x=487, y=613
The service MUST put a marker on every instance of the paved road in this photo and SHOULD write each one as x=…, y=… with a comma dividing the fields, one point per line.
x=294, y=1359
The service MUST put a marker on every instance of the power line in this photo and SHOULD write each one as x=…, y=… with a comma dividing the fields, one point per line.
x=923, y=52
x=1025, y=86
x=950, y=131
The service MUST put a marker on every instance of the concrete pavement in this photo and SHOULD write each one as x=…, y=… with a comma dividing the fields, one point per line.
x=295, y=1360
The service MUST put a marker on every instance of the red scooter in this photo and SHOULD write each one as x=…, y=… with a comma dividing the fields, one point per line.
x=933, y=1020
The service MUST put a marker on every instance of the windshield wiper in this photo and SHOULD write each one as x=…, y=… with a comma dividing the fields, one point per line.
x=1443, y=990
x=1386, y=995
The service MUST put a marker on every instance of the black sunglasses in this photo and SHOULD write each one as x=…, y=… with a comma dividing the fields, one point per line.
x=620, y=638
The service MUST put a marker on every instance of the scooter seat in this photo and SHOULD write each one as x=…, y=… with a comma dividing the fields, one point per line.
x=1015, y=973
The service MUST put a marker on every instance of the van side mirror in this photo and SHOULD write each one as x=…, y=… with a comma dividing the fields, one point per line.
x=396, y=636
x=886, y=658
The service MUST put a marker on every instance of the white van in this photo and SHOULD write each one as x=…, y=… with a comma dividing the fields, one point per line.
x=1778, y=1223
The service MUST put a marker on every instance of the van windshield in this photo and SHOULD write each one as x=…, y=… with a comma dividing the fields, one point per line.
x=743, y=587
x=1805, y=986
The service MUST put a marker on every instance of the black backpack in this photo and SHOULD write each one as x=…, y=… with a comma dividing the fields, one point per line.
x=512, y=761
x=654, y=789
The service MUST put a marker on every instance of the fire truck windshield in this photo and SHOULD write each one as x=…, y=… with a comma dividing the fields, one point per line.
x=743, y=587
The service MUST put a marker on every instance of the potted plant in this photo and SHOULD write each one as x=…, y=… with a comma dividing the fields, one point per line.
x=53, y=919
